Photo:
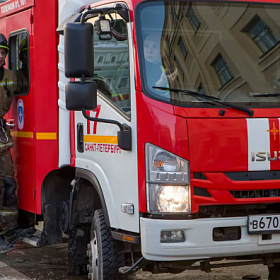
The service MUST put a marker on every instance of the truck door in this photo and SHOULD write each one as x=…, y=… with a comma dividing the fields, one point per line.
x=96, y=144
x=19, y=30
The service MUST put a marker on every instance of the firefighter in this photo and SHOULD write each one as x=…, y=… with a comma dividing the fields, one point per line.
x=9, y=228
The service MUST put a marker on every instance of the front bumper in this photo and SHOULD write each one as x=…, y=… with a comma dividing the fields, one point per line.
x=199, y=242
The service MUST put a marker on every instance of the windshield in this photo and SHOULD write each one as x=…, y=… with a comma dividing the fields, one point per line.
x=225, y=50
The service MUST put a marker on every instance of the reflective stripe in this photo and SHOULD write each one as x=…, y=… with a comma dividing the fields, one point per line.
x=46, y=136
x=116, y=97
x=24, y=134
x=101, y=139
x=7, y=213
x=119, y=95
x=4, y=47
x=8, y=83
x=6, y=145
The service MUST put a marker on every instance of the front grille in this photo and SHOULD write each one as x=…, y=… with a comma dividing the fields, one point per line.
x=242, y=210
x=253, y=175
x=255, y=193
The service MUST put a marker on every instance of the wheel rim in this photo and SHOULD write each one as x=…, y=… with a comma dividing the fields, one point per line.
x=94, y=258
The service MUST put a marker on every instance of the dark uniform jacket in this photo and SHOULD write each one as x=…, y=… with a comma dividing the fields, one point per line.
x=8, y=86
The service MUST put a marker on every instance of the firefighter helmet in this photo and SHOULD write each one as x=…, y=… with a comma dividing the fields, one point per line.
x=3, y=43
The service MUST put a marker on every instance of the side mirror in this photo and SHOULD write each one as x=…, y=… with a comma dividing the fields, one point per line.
x=79, y=96
x=78, y=47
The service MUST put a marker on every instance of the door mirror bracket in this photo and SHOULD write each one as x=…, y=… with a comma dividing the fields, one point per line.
x=124, y=135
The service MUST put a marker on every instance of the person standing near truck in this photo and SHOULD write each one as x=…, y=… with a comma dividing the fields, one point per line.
x=9, y=228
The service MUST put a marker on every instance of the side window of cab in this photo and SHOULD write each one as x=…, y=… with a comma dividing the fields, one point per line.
x=19, y=61
x=111, y=64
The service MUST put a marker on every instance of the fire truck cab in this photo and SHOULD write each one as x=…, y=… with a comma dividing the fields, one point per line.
x=148, y=131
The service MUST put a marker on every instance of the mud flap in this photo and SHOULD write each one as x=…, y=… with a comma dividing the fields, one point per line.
x=52, y=231
x=79, y=237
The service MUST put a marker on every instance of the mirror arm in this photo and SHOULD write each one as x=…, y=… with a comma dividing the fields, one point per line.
x=122, y=128
x=124, y=135
x=117, y=8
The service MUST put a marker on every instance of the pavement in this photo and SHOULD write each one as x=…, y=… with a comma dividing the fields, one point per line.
x=50, y=263
x=8, y=273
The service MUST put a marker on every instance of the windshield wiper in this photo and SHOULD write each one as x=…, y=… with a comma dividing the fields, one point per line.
x=267, y=95
x=208, y=97
x=189, y=92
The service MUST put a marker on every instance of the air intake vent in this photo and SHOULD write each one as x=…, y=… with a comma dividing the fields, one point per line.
x=255, y=193
x=201, y=192
x=198, y=175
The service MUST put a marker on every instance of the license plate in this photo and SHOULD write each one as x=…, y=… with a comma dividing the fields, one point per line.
x=263, y=224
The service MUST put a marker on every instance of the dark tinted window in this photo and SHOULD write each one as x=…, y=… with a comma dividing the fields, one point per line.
x=19, y=61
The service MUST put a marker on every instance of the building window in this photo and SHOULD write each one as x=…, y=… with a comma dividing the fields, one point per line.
x=183, y=48
x=100, y=59
x=168, y=41
x=262, y=35
x=194, y=21
x=125, y=57
x=174, y=16
x=113, y=59
x=200, y=89
x=123, y=83
x=222, y=69
x=179, y=65
x=179, y=83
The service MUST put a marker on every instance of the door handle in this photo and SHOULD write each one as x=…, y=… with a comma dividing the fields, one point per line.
x=80, y=137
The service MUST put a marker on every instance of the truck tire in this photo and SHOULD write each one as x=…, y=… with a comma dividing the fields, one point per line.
x=104, y=259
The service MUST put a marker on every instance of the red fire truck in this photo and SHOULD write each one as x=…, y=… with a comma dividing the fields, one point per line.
x=148, y=131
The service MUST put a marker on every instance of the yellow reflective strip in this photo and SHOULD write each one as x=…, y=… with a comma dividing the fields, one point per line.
x=46, y=136
x=101, y=139
x=23, y=134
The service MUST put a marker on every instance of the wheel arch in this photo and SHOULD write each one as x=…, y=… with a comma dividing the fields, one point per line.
x=58, y=181
x=91, y=178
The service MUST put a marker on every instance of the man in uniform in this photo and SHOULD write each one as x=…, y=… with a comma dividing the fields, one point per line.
x=9, y=228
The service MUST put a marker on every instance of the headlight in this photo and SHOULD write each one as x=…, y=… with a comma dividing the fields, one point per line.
x=167, y=178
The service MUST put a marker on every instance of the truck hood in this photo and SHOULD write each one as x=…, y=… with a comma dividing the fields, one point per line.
x=224, y=145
